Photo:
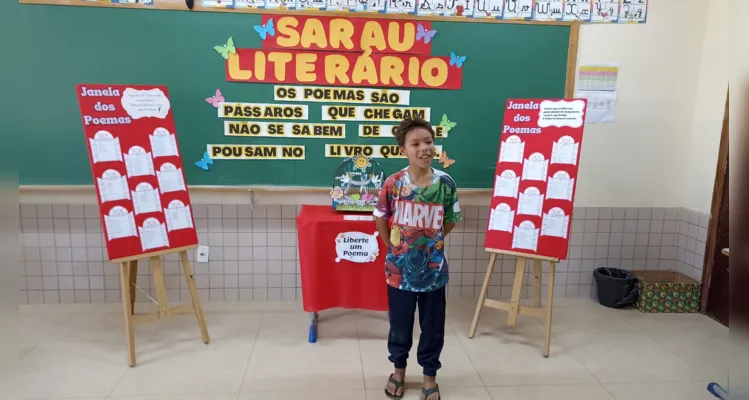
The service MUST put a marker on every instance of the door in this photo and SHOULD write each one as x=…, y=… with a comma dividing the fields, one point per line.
x=716, y=293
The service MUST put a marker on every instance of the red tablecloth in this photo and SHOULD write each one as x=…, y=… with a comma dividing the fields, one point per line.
x=330, y=284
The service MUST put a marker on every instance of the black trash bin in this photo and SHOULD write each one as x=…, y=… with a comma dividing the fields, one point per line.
x=617, y=288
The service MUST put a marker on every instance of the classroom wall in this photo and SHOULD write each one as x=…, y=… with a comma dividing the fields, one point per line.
x=709, y=106
x=642, y=201
x=641, y=159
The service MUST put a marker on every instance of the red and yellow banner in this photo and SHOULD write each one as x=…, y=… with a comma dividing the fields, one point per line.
x=340, y=51
x=345, y=69
x=346, y=34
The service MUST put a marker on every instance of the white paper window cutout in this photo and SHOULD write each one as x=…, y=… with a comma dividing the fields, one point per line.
x=560, y=186
x=501, y=218
x=535, y=168
x=531, y=202
x=104, y=147
x=153, y=234
x=112, y=186
x=138, y=162
x=170, y=178
x=506, y=184
x=178, y=216
x=119, y=223
x=146, y=199
x=163, y=143
x=512, y=150
x=564, y=151
x=525, y=236
x=555, y=223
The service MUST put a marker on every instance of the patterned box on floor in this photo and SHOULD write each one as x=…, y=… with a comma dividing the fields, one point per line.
x=667, y=292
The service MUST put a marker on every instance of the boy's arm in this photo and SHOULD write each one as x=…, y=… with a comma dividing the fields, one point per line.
x=452, y=209
x=449, y=227
x=383, y=212
x=382, y=228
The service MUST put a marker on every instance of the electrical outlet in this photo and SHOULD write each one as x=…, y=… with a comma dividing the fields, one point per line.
x=202, y=254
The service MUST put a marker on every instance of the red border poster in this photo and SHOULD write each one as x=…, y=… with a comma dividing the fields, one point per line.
x=138, y=173
x=536, y=176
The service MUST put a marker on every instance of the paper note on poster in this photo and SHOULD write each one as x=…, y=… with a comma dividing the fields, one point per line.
x=145, y=103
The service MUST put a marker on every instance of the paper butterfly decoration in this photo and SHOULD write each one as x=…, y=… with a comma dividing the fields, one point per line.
x=216, y=100
x=446, y=123
x=265, y=30
x=445, y=161
x=205, y=162
x=426, y=35
x=456, y=60
x=226, y=49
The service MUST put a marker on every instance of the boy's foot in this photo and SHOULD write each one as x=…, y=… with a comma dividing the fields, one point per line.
x=430, y=390
x=394, y=388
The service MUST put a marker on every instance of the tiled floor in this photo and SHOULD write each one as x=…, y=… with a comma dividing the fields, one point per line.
x=260, y=351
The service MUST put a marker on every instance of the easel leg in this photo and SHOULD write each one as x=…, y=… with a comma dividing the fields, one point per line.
x=158, y=281
x=482, y=295
x=194, y=294
x=537, y=271
x=133, y=277
x=549, y=304
x=127, y=310
x=517, y=287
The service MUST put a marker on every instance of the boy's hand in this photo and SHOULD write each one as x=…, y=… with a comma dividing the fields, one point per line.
x=382, y=229
x=448, y=227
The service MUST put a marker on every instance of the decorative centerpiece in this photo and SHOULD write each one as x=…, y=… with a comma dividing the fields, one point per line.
x=357, y=182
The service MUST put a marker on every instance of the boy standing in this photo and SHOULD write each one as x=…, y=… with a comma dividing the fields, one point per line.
x=423, y=205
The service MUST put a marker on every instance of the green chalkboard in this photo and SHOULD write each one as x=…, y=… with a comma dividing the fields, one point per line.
x=59, y=47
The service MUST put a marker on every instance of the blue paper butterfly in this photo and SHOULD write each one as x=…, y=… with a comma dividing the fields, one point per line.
x=265, y=30
x=205, y=162
x=456, y=61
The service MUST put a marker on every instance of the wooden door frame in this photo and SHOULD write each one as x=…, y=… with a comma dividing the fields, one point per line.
x=712, y=233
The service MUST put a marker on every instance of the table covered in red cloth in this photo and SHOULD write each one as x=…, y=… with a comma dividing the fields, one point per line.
x=327, y=283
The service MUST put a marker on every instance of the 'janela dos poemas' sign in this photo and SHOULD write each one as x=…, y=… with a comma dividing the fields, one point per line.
x=343, y=51
x=534, y=183
x=356, y=247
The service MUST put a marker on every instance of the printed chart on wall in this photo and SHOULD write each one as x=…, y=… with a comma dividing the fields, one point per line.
x=534, y=184
x=140, y=184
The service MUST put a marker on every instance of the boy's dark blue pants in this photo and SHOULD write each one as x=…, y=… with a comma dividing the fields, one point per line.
x=402, y=307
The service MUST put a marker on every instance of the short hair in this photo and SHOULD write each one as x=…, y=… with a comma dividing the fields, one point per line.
x=407, y=125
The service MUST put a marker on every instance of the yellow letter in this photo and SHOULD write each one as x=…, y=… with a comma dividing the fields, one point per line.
x=235, y=72
x=341, y=31
x=279, y=61
x=364, y=69
x=313, y=33
x=305, y=67
x=287, y=34
x=336, y=67
x=413, y=71
x=391, y=68
x=409, y=33
x=260, y=65
x=372, y=36
x=429, y=66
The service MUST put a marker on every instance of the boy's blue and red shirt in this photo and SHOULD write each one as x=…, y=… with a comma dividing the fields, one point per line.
x=416, y=259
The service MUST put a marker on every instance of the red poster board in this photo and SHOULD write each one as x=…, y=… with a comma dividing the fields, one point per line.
x=138, y=173
x=536, y=176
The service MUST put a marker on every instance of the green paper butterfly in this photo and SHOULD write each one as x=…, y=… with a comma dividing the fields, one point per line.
x=447, y=124
x=226, y=49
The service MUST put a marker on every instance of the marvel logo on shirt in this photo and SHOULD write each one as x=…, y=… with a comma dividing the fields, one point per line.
x=416, y=253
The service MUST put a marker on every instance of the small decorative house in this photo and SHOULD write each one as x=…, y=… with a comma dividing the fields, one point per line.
x=357, y=182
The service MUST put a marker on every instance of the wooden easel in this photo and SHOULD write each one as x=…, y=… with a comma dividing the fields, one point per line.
x=128, y=277
x=514, y=308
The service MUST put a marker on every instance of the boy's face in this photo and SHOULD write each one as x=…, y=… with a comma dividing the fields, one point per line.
x=419, y=148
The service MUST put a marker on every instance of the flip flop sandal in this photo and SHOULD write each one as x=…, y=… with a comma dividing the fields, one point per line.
x=397, y=385
x=429, y=392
